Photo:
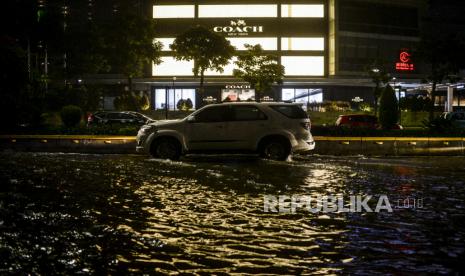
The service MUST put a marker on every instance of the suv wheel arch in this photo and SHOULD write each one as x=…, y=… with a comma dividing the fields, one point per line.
x=278, y=140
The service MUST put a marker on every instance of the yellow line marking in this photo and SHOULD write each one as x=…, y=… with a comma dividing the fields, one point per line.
x=69, y=137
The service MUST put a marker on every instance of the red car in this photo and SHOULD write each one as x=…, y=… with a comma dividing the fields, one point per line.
x=358, y=121
x=361, y=121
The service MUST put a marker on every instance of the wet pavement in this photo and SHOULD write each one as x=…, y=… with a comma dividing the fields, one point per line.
x=95, y=214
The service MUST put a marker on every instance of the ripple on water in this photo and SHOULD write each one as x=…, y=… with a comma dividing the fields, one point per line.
x=92, y=214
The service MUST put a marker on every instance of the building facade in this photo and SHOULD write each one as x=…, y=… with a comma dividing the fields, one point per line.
x=326, y=46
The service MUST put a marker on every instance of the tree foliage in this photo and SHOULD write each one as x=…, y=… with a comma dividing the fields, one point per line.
x=259, y=69
x=71, y=115
x=129, y=47
x=441, y=46
x=380, y=78
x=388, y=108
x=85, y=52
x=208, y=50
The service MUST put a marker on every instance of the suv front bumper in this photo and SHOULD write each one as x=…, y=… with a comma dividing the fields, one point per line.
x=303, y=146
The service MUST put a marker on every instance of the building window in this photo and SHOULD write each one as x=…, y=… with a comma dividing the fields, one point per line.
x=302, y=95
x=166, y=43
x=174, y=11
x=293, y=10
x=268, y=43
x=302, y=44
x=175, y=97
x=235, y=11
x=235, y=95
x=228, y=69
x=303, y=65
x=173, y=67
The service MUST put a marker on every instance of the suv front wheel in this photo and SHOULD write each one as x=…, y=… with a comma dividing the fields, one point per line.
x=166, y=148
x=275, y=149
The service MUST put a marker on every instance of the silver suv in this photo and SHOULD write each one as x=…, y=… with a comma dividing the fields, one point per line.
x=273, y=130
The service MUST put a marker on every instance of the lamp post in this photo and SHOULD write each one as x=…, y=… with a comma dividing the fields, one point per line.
x=398, y=101
x=174, y=93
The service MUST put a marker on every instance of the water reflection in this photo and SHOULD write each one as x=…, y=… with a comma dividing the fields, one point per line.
x=62, y=213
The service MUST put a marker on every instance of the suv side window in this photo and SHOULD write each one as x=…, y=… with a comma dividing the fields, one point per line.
x=113, y=116
x=290, y=111
x=125, y=116
x=213, y=114
x=247, y=113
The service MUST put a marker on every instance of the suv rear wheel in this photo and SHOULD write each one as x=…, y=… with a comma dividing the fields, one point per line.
x=166, y=148
x=275, y=149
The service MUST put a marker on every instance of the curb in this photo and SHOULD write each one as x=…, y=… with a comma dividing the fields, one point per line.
x=326, y=145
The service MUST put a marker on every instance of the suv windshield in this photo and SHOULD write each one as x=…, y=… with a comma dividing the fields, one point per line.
x=290, y=111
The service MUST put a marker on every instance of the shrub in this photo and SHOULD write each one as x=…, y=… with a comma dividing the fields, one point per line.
x=439, y=125
x=184, y=105
x=415, y=103
x=388, y=108
x=71, y=115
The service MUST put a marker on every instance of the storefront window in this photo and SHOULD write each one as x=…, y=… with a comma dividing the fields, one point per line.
x=166, y=43
x=302, y=44
x=302, y=95
x=227, y=70
x=174, y=11
x=292, y=10
x=237, y=11
x=303, y=65
x=177, y=99
x=234, y=95
x=268, y=43
x=172, y=67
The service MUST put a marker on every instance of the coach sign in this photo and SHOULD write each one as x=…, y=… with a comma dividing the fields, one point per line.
x=238, y=28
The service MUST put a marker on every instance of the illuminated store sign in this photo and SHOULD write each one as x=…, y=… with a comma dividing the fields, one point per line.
x=238, y=28
x=237, y=86
x=405, y=61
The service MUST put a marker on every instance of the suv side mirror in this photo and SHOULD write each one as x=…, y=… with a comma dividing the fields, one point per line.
x=191, y=119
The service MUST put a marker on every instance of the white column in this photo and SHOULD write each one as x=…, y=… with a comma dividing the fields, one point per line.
x=450, y=99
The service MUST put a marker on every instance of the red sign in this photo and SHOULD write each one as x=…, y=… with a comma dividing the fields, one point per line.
x=405, y=62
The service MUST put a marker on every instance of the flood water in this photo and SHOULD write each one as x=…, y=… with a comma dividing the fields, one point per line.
x=111, y=214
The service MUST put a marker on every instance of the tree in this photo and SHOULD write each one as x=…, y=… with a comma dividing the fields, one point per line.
x=85, y=52
x=129, y=45
x=380, y=78
x=208, y=50
x=388, y=108
x=259, y=69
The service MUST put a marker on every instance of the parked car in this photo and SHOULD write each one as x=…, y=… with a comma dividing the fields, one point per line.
x=457, y=118
x=358, y=121
x=118, y=117
x=361, y=121
x=274, y=130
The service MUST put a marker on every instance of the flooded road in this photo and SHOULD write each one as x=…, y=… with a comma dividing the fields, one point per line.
x=89, y=214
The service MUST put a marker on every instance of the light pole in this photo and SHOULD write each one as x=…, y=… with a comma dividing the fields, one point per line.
x=174, y=93
x=399, y=111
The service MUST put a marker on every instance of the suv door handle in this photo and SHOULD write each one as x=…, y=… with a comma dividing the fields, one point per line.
x=219, y=127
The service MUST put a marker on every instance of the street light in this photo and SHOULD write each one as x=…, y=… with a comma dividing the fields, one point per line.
x=174, y=94
x=398, y=100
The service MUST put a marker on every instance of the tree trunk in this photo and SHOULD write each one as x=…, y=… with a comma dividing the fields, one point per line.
x=433, y=95
x=376, y=96
x=202, y=80
x=130, y=94
x=257, y=93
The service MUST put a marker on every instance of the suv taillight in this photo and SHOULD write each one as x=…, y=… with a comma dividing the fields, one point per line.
x=306, y=125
